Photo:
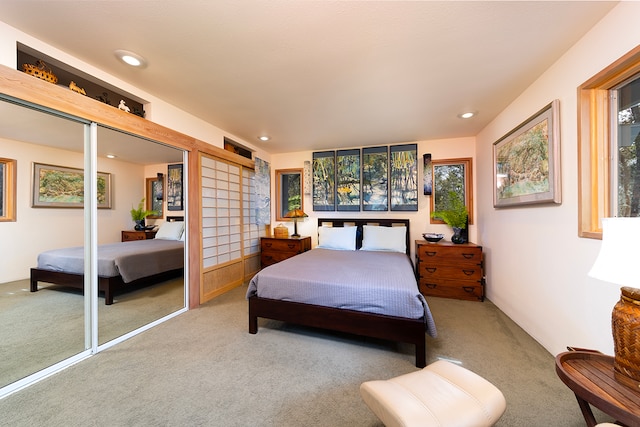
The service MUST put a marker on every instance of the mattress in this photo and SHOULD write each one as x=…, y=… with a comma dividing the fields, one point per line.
x=366, y=281
x=131, y=260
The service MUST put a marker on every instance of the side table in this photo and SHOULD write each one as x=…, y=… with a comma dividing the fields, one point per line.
x=590, y=376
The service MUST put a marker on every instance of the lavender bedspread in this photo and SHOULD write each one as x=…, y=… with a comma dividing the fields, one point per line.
x=131, y=260
x=374, y=282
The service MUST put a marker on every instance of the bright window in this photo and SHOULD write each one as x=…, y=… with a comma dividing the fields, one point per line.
x=608, y=119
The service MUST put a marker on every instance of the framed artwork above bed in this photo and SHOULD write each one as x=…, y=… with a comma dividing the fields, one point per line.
x=63, y=187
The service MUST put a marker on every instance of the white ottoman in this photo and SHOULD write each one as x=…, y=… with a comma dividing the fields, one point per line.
x=442, y=394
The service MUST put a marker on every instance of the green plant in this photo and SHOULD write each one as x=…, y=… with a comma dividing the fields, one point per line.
x=141, y=213
x=456, y=213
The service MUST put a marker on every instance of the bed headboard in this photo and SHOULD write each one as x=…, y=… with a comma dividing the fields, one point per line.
x=175, y=218
x=359, y=222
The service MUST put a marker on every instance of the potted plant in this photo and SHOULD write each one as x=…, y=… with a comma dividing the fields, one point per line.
x=138, y=215
x=455, y=216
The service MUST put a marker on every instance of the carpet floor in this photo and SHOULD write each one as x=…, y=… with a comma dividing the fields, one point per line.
x=203, y=368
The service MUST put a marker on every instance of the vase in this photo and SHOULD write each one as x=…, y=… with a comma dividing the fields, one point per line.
x=139, y=225
x=458, y=235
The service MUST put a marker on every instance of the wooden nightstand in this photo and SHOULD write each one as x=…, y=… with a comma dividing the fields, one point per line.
x=276, y=249
x=131, y=235
x=450, y=270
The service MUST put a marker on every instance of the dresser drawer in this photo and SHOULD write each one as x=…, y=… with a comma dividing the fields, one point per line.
x=469, y=272
x=473, y=291
x=450, y=255
x=281, y=245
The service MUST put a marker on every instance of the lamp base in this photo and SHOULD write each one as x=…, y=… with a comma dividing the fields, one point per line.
x=295, y=235
x=625, y=325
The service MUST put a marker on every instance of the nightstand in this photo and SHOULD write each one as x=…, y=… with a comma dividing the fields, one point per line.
x=131, y=235
x=450, y=270
x=276, y=249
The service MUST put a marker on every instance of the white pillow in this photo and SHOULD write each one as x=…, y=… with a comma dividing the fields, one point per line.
x=341, y=238
x=392, y=239
x=170, y=230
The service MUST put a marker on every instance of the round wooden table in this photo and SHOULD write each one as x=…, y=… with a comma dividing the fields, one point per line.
x=590, y=376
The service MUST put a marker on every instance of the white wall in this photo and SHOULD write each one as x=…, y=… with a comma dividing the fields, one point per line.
x=536, y=265
x=420, y=222
x=40, y=229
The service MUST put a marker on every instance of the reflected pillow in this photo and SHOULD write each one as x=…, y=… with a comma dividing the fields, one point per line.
x=376, y=238
x=340, y=238
x=170, y=230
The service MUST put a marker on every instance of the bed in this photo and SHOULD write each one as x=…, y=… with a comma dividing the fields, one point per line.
x=123, y=265
x=357, y=299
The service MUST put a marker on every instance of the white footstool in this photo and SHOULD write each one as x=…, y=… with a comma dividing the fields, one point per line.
x=442, y=394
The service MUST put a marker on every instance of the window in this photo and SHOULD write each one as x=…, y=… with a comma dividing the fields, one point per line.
x=288, y=192
x=451, y=176
x=606, y=111
x=7, y=190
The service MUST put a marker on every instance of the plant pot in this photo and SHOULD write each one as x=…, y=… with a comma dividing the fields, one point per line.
x=139, y=225
x=458, y=235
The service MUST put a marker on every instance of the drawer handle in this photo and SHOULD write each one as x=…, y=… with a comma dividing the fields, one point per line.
x=430, y=253
x=468, y=256
x=291, y=245
x=468, y=272
x=468, y=289
x=267, y=244
x=431, y=269
x=430, y=285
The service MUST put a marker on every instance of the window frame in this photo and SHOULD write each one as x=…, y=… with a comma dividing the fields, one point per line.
x=594, y=143
x=280, y=176
x=466, y=162
x=8, y=213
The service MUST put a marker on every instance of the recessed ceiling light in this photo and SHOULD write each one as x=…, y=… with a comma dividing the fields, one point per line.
x=467, y=115
x=264, y=138
x=131, y=58
x=111, y=156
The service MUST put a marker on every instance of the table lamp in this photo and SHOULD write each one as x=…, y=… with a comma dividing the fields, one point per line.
x=295, y=214
x=616, y=263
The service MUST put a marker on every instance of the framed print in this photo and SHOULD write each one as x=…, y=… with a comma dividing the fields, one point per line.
x=451, y=178
x=7, y=189
x=348, y=180
x=427, y=174
x=174, y=188
x=155, y=196
x=63, y=187
x=375, y=167
x=324, y=181
x=526, y=161
x=404, y=177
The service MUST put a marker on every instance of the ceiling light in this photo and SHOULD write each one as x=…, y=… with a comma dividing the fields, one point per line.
x=264, y=138
x=111, y=156
x=467, y=115
x=131, y=58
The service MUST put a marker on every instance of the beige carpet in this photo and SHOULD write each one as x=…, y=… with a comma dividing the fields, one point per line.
x=41, y=328
x=203, y=368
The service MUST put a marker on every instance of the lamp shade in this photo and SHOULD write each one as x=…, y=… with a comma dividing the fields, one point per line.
x=616, y=262
x=296, y=213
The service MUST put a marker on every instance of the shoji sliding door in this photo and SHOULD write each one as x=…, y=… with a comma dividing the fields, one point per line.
x=228, y=238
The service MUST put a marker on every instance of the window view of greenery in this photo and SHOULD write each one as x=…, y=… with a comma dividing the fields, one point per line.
x=628, y=149
x=449, y=181
x=291, y=192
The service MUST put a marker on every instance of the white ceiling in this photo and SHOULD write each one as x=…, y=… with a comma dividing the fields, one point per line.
x=320, y=74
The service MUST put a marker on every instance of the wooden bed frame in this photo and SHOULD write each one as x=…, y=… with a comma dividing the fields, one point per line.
x=108, y=285
x=372, y=325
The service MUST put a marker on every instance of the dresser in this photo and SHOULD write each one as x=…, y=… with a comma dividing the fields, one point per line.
x=276, y=249
x=131, y=235
x=449, y=270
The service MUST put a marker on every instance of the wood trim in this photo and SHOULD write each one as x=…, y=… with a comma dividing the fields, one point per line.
x=594, y=156
x=10, y=189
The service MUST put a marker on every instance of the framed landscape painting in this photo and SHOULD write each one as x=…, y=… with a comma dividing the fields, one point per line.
x=375, y=164
x=526, y=161
x=324, y=181
x=348, y=180
x=63, y=187
x=404, y=177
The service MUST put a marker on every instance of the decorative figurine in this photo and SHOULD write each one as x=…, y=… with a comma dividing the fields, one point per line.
x=74, y=87
x=122, y=106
